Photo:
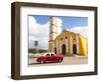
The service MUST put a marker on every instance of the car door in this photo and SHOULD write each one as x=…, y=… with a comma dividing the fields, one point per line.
x=48, y=58
x=53, y=57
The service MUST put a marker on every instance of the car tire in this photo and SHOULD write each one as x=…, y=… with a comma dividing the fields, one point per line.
x=60, y=60
x=42, y=62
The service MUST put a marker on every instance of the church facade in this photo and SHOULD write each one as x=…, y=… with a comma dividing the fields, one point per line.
x=66, y=43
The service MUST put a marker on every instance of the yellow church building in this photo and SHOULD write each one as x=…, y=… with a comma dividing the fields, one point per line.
x=66, y=43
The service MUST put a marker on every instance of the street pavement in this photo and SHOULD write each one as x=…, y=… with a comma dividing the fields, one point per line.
x=68, y=60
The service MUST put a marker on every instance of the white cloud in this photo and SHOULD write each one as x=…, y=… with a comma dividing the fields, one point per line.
x=32, y=22
x=59, y=22
x=81, y=30
x=40, y=32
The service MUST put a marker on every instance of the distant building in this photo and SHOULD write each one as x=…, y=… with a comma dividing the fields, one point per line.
x=66, y=43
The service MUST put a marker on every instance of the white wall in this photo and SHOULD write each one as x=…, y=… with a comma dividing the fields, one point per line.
x=5, y=40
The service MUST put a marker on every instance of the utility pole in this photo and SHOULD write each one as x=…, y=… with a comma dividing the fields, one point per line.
x=36, y=45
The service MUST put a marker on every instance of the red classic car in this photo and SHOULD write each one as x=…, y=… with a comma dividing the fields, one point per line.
x=49, y=57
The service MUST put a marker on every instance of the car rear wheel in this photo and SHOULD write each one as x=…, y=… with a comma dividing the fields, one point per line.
x=60, y=60
x=42, y=62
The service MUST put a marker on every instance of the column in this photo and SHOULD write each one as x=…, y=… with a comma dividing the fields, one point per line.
x=71, y=43
x=77, y=42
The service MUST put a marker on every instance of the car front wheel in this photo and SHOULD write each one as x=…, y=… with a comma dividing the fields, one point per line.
x=60, y=60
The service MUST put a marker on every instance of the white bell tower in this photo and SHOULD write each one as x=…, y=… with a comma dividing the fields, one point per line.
x=53, y=28
x=52, y=34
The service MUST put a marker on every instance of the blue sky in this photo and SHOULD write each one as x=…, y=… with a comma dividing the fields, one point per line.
x=67, y=21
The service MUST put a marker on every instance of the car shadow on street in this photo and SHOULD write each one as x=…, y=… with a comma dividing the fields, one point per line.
x=43, y=63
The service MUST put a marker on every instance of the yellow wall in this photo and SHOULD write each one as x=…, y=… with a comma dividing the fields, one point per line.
x=83, y=48
x=82, y=42
x=62, y=36
x=67, y=34
x=49, y=47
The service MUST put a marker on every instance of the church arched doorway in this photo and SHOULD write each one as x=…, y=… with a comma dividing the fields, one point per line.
x=74, y=49
x=55, y=50
x=64, y=49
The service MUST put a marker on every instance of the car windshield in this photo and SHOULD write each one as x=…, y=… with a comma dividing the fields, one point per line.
x=47, y=54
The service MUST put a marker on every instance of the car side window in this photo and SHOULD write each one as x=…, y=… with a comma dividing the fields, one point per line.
x=52, y=54
x=48, y=55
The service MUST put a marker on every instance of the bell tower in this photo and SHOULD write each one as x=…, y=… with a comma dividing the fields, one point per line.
x=52, y=34
x=53, y=28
